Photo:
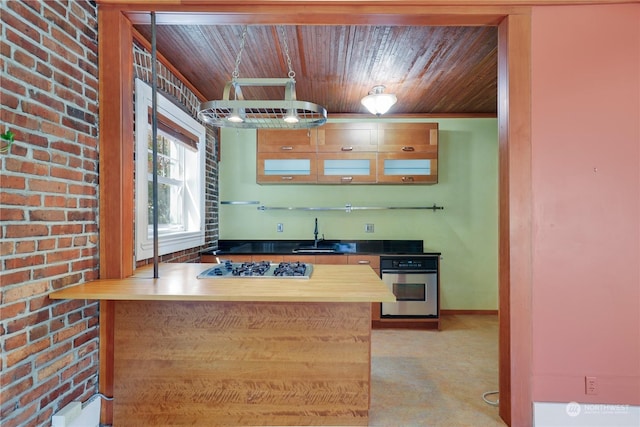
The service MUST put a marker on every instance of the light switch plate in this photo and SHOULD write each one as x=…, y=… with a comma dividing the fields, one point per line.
x=368, y=228
x=280, y=227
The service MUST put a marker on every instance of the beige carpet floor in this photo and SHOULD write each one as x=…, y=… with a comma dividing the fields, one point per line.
x=436, y=378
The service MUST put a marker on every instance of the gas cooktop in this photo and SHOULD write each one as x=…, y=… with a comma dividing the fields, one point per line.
x=228, y=269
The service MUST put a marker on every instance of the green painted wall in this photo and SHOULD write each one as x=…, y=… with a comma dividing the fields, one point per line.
x=465, y=232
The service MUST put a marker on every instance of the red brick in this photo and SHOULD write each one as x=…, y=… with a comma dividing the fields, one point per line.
x=52, y=353
x=86, y=190
x=40, y=391
x=60, y=256
x=26, y=230
x=8, y=100
x=60, y=202
x=37, y=332
x=27, y=167
x=11, y=214
x=27, y=411
x=58, y=230
x=29, y=77
x=84, y=338
x=66, y=173
x=58, y=393
x=20, y=354
x=17, y=388
x=50, y=271
x=13, y=86
x=88, y=216
x=13, y=342
x=55, y=367
x=36, y=303
x=18, y=199
x=47, y=215
x=7, y=248
x=28, y=261
x=57, y=130
x=80, y=240
x=66, y=147
x=91, y=347
x=64, y=242
x=46, y=244
x=47, y=186
x=25, y=246
x=12, y=310
x=7, y=279
x=66, y=306
x=14, y=182
x=21, y=57
x=10, y=375
x=19, y=120
x=66, y=281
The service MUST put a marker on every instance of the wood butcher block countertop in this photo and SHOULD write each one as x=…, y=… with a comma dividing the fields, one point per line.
x=179, y=282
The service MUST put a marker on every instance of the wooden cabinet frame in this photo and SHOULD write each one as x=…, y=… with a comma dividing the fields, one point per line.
x=513, y=19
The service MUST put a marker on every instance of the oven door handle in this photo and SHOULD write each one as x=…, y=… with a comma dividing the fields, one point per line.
x=409, y=272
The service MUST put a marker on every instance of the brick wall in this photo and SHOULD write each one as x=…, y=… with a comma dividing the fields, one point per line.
x=49, y=207
x=174, y=89
x=49, y=204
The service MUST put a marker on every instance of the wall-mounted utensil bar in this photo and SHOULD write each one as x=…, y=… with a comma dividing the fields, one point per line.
x=348, y=208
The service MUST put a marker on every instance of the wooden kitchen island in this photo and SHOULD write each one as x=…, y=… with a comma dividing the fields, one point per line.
x=237, y=351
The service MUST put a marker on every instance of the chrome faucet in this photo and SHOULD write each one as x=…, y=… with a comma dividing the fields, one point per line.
x=315, y=235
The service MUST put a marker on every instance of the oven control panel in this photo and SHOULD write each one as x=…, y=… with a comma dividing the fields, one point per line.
x=409, y=263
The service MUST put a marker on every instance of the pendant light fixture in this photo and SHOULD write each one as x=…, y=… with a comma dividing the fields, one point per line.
x=378, y=102
x=237, y=112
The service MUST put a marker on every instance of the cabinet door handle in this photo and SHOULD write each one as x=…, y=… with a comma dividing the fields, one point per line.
x=347, y=178
x=408, y=149
x=286, y=147
x=287, y=178
x=364, y=261
x=407, y=179
x=346, y=148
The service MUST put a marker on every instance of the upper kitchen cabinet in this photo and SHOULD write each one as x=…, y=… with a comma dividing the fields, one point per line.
x=347, y=137
x=347, y=153
x=350, y=153
x=408, y=153
x=287, y=140
x=286, y=156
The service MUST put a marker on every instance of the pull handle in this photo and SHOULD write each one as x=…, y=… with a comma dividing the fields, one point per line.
x=286, y=148
x=407, y=179
x=346, y=148
x=408, y=148
x=364, y=261
x=346, y=178
x=287, y=178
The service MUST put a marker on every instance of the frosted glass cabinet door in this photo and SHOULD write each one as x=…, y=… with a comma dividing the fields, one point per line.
x=347, y=168
x=290, y=168
x=396, y=168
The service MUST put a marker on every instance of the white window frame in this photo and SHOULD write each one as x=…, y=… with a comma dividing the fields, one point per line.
x=193, y=236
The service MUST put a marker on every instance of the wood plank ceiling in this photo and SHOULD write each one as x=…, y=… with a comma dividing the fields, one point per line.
x=432, y=70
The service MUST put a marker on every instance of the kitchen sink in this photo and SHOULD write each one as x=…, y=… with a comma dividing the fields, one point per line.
x=317, y=249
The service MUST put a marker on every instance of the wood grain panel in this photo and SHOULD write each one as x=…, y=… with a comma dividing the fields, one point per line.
x=223, y=363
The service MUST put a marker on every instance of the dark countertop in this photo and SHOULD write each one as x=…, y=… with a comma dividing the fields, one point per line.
x=338, y=247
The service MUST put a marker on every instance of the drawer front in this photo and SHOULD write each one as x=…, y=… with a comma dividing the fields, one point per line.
x=371, y=260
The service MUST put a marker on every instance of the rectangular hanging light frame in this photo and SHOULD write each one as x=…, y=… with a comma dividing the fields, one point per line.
x=254, y=114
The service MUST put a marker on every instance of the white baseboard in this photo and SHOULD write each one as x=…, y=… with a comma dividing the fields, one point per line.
x=75, y=415
x=573, y=414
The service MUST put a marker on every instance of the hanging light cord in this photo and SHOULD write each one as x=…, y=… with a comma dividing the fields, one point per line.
x=491, y=402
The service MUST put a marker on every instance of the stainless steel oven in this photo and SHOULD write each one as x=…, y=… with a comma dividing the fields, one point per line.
x=413, y=279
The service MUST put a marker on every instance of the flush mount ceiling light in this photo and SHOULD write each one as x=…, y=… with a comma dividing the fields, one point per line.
x=237, y=112
x=378, y=102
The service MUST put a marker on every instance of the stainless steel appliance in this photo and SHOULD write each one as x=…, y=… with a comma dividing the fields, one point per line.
x=228, y=269
x=413, y=279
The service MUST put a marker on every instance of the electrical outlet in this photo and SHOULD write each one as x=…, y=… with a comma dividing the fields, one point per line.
x=368, y=228
x=280, y=227
x=590, y=385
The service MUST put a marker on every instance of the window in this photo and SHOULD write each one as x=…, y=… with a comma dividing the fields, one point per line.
x=181, y=155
